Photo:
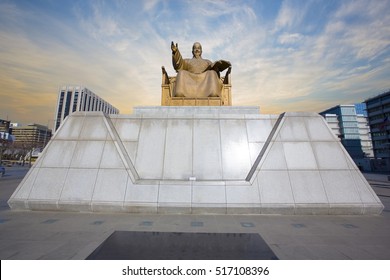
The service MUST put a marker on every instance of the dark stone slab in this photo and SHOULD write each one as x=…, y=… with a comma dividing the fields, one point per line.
x=136, y=245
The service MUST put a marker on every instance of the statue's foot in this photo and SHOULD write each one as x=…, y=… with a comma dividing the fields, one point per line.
x=179, y=95
x=213, y=95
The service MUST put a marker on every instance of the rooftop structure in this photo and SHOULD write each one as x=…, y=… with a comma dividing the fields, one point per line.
x=78, y=98
x=349, y=123
x=32, y=135
x=378, y=110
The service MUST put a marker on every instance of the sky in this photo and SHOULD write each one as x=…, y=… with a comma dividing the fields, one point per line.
x=286, y=55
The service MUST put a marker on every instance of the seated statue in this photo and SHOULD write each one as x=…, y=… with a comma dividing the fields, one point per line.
x=197, y=77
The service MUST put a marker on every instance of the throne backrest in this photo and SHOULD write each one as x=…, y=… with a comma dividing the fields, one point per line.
x=168, y=86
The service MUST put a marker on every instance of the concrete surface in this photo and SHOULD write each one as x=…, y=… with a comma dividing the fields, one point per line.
x=200, y=161
x=29, y=235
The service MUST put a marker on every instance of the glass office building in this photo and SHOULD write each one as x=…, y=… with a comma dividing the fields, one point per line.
x=350, y=124
x=79, y=98
x=378, y=110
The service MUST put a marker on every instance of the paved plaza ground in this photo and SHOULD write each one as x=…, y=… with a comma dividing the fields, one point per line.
x=30, y=235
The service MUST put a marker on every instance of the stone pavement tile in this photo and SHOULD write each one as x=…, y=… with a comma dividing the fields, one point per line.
x=371, y=240
x=27, y=250
x=380, y=252
x=320, y=240
x=358, y=252
x=27, y=233
x=302, y=252
x=327, y=252
x=277, y=238
x=68, y=250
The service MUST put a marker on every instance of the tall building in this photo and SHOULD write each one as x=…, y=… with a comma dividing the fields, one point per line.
x=31, y=136
x=349, y=123
x=5, y=134
x=79, y=98
x=333, y=123
x=378, y=110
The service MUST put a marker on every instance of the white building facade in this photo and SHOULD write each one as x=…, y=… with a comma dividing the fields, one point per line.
x=79, y=98
x=350, y=124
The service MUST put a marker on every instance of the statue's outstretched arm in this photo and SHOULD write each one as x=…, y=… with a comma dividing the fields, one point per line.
x=174, y=47
x=177, y=59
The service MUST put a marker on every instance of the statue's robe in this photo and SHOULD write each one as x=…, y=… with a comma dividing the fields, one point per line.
x=193, y=79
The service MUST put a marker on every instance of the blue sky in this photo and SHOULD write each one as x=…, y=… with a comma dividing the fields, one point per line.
x=286, y=55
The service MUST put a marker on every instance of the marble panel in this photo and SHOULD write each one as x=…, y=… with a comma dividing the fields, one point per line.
x=141, y=193
x=210, y=116
x=243, y=209
x=257, y=116
x=346, y=209
x=235, y=150
x=318, y=129
x=23, y=190
x=75, y=206
x=329, y=155
x=109, y=207
x=111, y=157
x=277, y=209
x=242, y=194
x=70, y=129
x=128, y=129
x=350, y=162
x=258, y=130
x=340, y=187
x=275, y=187
x=42, y=205
x=207, y=150
x=18, y=204
x=373, y=209
x=209, y=194
x=150, y=150
x=299, y=155
x=59, y=154
x=135, y=207
x=79, y=185
x=155, y=110
x=293, y=129
x=312, y=209
x=87, y=154
x=366, y=193
x=307, y=187
x=300, y=114
x=274, y=158
x=254, y=150
x=110, y=185
x=209, y=208
x=94, y=128
x=174, y=208
x=131, y=149
x=178, y=150
x=48, y=184
x=174, y=194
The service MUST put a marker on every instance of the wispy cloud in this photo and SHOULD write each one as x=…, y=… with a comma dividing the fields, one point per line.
x=305, y=55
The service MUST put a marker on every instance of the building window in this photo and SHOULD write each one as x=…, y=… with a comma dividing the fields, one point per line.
x=75, y=99
x=67, y=104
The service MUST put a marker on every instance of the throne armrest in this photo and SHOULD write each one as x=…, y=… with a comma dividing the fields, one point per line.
x=226, y=79
x=165, y=77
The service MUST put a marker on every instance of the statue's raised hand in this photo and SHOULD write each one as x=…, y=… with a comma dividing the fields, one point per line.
x=174, y=47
